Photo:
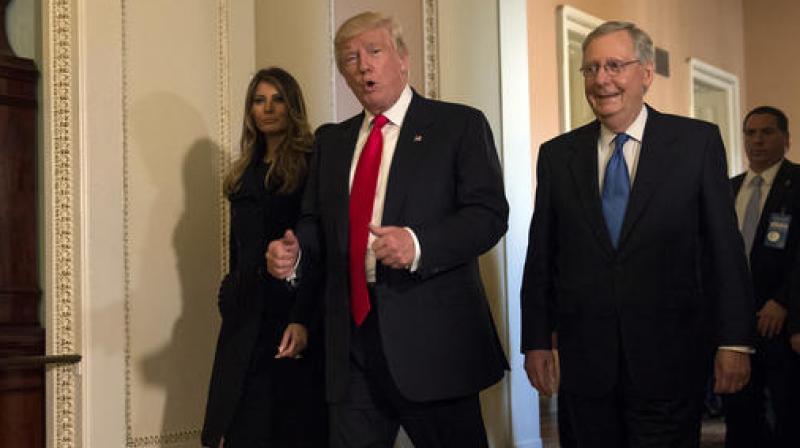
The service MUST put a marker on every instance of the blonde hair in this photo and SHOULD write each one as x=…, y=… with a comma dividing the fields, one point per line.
x=367, y=21
x=290, y=166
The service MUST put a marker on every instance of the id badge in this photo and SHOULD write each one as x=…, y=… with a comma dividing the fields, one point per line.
x=777, y=231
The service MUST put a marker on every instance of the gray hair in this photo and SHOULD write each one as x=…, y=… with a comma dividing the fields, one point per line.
x=642, y=43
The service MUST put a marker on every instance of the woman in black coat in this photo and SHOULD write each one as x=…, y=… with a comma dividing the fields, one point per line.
x=267, y=382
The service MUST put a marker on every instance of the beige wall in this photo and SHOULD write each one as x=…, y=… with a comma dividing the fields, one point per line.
x=409, y=15
x=296, y=36
x=138, y=108
x=711, y=30
x=770, y=60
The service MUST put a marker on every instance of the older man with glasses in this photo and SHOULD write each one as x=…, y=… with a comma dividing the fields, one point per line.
x=634, y=261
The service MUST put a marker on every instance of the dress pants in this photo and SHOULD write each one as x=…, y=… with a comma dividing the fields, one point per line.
x=623, y=418
x=776, y=371
x=373, y=409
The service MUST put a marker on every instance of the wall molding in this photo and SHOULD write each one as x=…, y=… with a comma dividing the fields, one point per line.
x=60, y=259
x=701, y=72
x=430, y=37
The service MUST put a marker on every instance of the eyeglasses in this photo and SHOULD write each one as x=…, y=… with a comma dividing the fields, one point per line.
x=612, y=66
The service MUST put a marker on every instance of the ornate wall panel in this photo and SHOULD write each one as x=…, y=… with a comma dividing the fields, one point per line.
x=176, y=130
x=59, y=169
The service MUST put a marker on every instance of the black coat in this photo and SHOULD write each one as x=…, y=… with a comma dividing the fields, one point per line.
x=445, y=184
x=771, y=266
x=249, y=298
x=649, y=301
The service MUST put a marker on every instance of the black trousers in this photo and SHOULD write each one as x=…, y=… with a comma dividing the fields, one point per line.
x=774, y=391
x=374, y=409
x=624, y=418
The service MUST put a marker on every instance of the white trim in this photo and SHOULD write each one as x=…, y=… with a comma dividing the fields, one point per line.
x=334, y=69
x=570, y=20
x=516, y=158
x=716, y=77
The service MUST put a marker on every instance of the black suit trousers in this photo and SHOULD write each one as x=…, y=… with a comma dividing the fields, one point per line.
x=624, y=418
x=374, y=409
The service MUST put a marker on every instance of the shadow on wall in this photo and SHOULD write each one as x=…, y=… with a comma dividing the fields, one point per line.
x=174, y=258
x=181, y=368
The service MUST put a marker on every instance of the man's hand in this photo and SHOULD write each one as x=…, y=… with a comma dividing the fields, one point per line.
x=393, y=246
x=795, y=340
x=282, y=255
x=731, y=371
x=771, y=317
x=294, y=341
x=540, y=365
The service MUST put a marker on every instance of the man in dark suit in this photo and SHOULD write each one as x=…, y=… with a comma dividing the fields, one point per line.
x=633, y=227
x=768, y=208
x=409, y=336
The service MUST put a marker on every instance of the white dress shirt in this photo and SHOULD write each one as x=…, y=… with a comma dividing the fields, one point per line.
x=631, y=149
x=746, y=190
x=391, y=131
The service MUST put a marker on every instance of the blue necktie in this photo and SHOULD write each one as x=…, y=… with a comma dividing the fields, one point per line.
x=616, y=189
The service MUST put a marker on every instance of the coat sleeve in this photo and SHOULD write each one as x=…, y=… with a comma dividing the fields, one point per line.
x=537, y=298
x=793, y=299
x=309, y=234
x=226, y=287
x=480, y=216
x=733, y=305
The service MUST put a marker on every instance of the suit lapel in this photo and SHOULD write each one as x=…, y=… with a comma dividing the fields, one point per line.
x=654, y=160
x=411, y=146
x=583, y=166
x=736, y=184
x=341, y=160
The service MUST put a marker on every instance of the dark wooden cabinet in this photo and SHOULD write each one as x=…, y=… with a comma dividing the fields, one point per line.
x=21, y=333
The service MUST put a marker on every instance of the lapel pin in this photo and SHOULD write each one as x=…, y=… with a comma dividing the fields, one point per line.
x=417, y=138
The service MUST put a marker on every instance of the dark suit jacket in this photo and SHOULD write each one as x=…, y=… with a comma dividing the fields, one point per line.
x=771, y=267
x=444, y=183
x=646, y=304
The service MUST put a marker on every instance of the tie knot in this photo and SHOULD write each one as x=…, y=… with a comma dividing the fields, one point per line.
x=379, y=121
x=757, y=181
x=620, y=139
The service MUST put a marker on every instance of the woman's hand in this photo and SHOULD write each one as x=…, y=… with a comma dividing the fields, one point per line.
x=293, y=342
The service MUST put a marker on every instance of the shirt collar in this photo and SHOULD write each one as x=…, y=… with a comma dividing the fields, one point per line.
x=768, y=174
x=635, y=130
x=397, y=113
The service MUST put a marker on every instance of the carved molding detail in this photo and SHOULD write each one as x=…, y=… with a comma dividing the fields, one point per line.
x=225, y=144
x=164, y=439
x=63, y=317
x=430, y=38
x=129, y=439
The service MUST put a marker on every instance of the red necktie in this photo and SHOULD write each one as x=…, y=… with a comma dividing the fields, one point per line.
x=362, y=198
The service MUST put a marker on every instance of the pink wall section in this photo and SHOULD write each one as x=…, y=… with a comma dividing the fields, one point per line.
x=771, y=60
x=711, y=30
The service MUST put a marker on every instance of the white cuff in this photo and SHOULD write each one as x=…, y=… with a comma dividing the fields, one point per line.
x=417, y=251
x=738, y=348
x=292, y=278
